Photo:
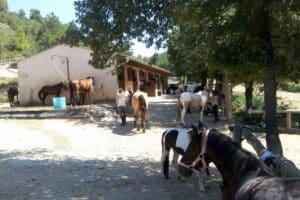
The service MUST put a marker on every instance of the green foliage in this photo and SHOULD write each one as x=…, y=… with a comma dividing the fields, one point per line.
x=160, y=60
x=254, y=119
x=3, y=6
x=290, y=87
x=239, y=102
x=109, y=26
x=21, y=37
x=4, y=85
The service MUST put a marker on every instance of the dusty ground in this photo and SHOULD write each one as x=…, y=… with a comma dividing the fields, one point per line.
x=84, y=159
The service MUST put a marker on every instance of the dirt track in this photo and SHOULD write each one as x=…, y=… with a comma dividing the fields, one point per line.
x=83, y=159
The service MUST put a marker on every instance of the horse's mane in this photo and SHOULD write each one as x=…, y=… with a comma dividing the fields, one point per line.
x=232, y=155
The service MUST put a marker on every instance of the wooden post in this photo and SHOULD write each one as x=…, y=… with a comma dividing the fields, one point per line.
x=125, y=74
x=289, y=119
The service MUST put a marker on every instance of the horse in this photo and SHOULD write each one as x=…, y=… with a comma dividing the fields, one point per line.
x=176, y=139
x=139, y=104
x=12, y=91
x=80, y=88
x=52, y=90
x=197, y=100
x=244, y=176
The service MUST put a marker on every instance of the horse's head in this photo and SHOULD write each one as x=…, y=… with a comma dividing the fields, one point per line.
x=65, y=85
x=191, y=159
x=91, y=78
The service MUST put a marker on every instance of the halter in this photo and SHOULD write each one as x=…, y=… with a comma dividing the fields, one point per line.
x=204, y=171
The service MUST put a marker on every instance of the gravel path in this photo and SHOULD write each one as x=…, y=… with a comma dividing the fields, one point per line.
x=86, y=159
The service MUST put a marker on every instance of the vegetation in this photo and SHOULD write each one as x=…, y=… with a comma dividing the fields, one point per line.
x=290, y=87
x=4, y=84
x=239, y=102
x=21, y=36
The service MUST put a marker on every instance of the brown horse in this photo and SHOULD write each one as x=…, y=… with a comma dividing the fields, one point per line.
x=244, y=176
x=12, y=91
x=52, y=90
x=139, y=104
x=80, y=88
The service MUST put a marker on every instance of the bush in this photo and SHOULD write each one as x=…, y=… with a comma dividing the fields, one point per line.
x=290, y=87
x=4, y=84
x=239, y=102
x=254, y=119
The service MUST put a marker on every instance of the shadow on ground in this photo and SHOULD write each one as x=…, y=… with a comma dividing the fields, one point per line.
x=24, y=178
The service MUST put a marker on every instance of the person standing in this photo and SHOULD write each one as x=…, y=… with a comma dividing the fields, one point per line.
x=215, y=103
x=121, y=104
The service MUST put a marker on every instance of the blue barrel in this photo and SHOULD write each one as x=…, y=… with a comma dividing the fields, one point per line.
x=59, y=102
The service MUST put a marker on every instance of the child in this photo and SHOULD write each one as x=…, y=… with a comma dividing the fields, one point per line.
x=121, y=104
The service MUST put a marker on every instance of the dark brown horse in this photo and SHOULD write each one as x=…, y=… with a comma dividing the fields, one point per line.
x=244, y=176
x=51, y=90
x=139, y=104
x=79, y=88
x=12, y=92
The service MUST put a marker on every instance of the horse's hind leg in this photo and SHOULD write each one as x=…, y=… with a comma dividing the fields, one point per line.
x=143, y=122
x=183, y=110
x=175, y=159
x=165, y=163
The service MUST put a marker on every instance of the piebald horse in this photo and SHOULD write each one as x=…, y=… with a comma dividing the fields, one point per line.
x=139, y=102
x=244, y=176
x=197, y=100
x=177, y=140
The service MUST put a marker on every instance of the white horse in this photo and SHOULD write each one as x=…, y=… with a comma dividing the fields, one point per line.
x=197, y=100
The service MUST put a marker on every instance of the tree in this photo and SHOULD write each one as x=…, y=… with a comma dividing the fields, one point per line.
x=35, y=14
x=230, y=36
x=3, y=6
x=22, y=14
x=73, y=36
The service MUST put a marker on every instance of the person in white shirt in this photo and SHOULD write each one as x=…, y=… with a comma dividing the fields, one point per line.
x=121, y=99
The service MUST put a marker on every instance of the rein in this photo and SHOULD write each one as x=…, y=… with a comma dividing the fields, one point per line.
x=200, y=158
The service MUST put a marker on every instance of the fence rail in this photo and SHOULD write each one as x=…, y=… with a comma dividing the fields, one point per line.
x=9, y=60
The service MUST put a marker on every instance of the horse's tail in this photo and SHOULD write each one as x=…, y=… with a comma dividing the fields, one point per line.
x=179, y=106
x=143, y=103
x=164, y=156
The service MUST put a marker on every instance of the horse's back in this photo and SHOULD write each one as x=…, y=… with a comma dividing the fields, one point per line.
x=13, y=90
x=139, y=97
x=176, y=138
x=269, y=188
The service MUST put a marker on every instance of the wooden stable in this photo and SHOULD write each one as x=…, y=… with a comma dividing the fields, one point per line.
x=136, y=72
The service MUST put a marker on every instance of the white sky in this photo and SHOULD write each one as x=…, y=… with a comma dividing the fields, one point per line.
x=140, y=48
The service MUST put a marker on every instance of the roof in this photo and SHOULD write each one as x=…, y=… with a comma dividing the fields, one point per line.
x=129, y=59
x=136, y=62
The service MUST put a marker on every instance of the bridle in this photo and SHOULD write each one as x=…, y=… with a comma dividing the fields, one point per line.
x=200, y=158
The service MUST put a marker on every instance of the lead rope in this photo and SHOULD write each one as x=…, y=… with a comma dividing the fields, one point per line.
x=204, y=171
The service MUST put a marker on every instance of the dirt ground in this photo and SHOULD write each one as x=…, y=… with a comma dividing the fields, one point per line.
x=87, y=159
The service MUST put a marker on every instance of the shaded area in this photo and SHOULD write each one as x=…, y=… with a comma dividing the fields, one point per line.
x=92, y=179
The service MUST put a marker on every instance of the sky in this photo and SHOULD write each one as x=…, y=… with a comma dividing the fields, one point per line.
x=65, y=11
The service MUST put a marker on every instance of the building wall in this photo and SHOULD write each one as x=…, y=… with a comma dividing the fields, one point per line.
x=48, y=68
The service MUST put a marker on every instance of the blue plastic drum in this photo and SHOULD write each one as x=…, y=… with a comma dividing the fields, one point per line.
x=59, y=102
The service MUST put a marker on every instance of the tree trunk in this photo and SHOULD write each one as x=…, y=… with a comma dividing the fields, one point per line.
x=227, y=93
x=249, y=95
x=272, y=135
